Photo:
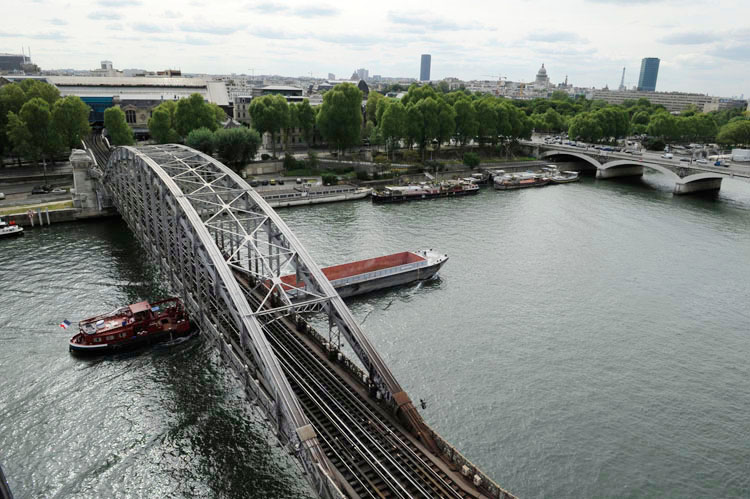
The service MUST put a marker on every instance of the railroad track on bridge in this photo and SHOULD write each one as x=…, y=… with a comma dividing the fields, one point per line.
x=374, y=456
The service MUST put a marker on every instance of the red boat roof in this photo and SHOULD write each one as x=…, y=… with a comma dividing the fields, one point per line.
x=141, y=306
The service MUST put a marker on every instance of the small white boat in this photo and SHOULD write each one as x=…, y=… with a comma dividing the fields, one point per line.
x=10, y=230
x=558, y=177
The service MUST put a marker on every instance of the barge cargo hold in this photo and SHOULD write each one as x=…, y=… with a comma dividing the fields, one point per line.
x=298, y=196
x=372, y=274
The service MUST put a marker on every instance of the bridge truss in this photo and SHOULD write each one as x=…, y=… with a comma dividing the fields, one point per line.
x=207, y=228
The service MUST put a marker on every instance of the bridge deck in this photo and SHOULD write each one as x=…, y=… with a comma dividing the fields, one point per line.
x=371, y=451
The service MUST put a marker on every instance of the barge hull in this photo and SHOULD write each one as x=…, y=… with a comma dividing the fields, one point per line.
x=421, y=197
x=421, y=274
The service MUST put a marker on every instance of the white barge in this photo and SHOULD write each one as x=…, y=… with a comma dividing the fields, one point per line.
x=302, y=196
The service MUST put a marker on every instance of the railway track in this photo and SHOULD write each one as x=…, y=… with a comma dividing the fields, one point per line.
x=99, y=148
x=373, y=455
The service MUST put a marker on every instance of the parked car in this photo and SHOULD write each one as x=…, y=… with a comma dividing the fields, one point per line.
x=281, y=181
x=57, y=190
x=684, y=159
x=2, y=195
x=38, y=190
x=702, y=162
x=299, y=180
x=254, y=183
x=264, y=181
x=667, y=155
x=272, y=181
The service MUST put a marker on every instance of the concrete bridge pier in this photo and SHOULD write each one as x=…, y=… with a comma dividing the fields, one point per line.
x=700, y=185
x=620, y=171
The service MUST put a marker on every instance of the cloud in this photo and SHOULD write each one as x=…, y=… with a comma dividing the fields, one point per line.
x=422, y=20
x=114, y=27
x=556, y=36
x=688, y=38
x=629, y=2
x=733, y=52
x=119, y=3
x=58, y=22
x=210, y=29
x=315, y=11
x=150, y=28
x=268, y=7
x=106, y=15
x=172, y=14
x=349, y=39
x=275, y=34
x=191, y=40
x=53, y=35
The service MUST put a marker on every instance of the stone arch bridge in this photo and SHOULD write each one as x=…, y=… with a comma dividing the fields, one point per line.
x=687, y=179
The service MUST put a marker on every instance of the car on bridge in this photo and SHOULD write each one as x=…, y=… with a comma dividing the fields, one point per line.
x=702, y=161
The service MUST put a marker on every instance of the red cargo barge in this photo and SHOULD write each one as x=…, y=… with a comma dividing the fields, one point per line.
x=372, y=274
x=131, y=327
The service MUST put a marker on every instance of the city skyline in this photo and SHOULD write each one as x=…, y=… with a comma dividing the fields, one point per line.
x=294, y=39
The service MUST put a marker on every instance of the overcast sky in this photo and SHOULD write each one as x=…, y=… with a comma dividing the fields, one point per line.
x=703, y=46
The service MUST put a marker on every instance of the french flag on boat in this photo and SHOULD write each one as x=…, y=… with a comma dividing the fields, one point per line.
x=65, y=324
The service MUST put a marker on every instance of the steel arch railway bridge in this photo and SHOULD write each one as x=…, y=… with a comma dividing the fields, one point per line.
x=356, y=433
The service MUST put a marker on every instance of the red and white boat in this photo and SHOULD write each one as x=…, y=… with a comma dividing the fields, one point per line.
x=129, y=327
x=372, y=274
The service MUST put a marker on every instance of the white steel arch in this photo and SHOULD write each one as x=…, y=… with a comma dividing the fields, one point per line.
x=206, y=226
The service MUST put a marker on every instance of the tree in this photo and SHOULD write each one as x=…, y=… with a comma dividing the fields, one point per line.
x=735, y=132
x=486, y=119
x=392, y=124
x=236, y=146
x=585, y=126
x=423, y=120
x=466, y=120
x=340, y=116
x=446, y=122
x=119, y=131
x=70, y=119
x=306, y=120
x=161, y=124
x=269, y=114
x=31, y=130
x=193, y=113
x=12, y=98
x=552, y=120
x=34, y=88
x=373, y=98
x=663, y=125
x=202, y=139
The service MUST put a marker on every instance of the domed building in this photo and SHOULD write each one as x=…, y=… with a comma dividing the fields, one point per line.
x=542, y=80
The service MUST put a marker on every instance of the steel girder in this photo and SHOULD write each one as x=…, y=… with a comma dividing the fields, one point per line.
x=150, y=195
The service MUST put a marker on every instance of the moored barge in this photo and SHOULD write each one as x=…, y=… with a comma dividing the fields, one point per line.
x=510, y=181
x=422, y=191
x=372, y=274
x=131, y=327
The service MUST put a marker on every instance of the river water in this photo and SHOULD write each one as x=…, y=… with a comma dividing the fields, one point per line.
x=584, y=340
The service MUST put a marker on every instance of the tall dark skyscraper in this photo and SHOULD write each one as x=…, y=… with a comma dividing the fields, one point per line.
x=424, y=69
x=649, y=72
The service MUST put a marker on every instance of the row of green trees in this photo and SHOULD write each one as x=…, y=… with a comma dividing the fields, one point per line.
x=424, y=116
x=172, y=121
x=37, y=124
x=234, y=146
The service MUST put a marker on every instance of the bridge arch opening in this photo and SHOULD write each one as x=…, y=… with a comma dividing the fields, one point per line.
x=576, y=161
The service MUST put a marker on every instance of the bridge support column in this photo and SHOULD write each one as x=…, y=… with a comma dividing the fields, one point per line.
x=620, y=171
x=703, y=185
